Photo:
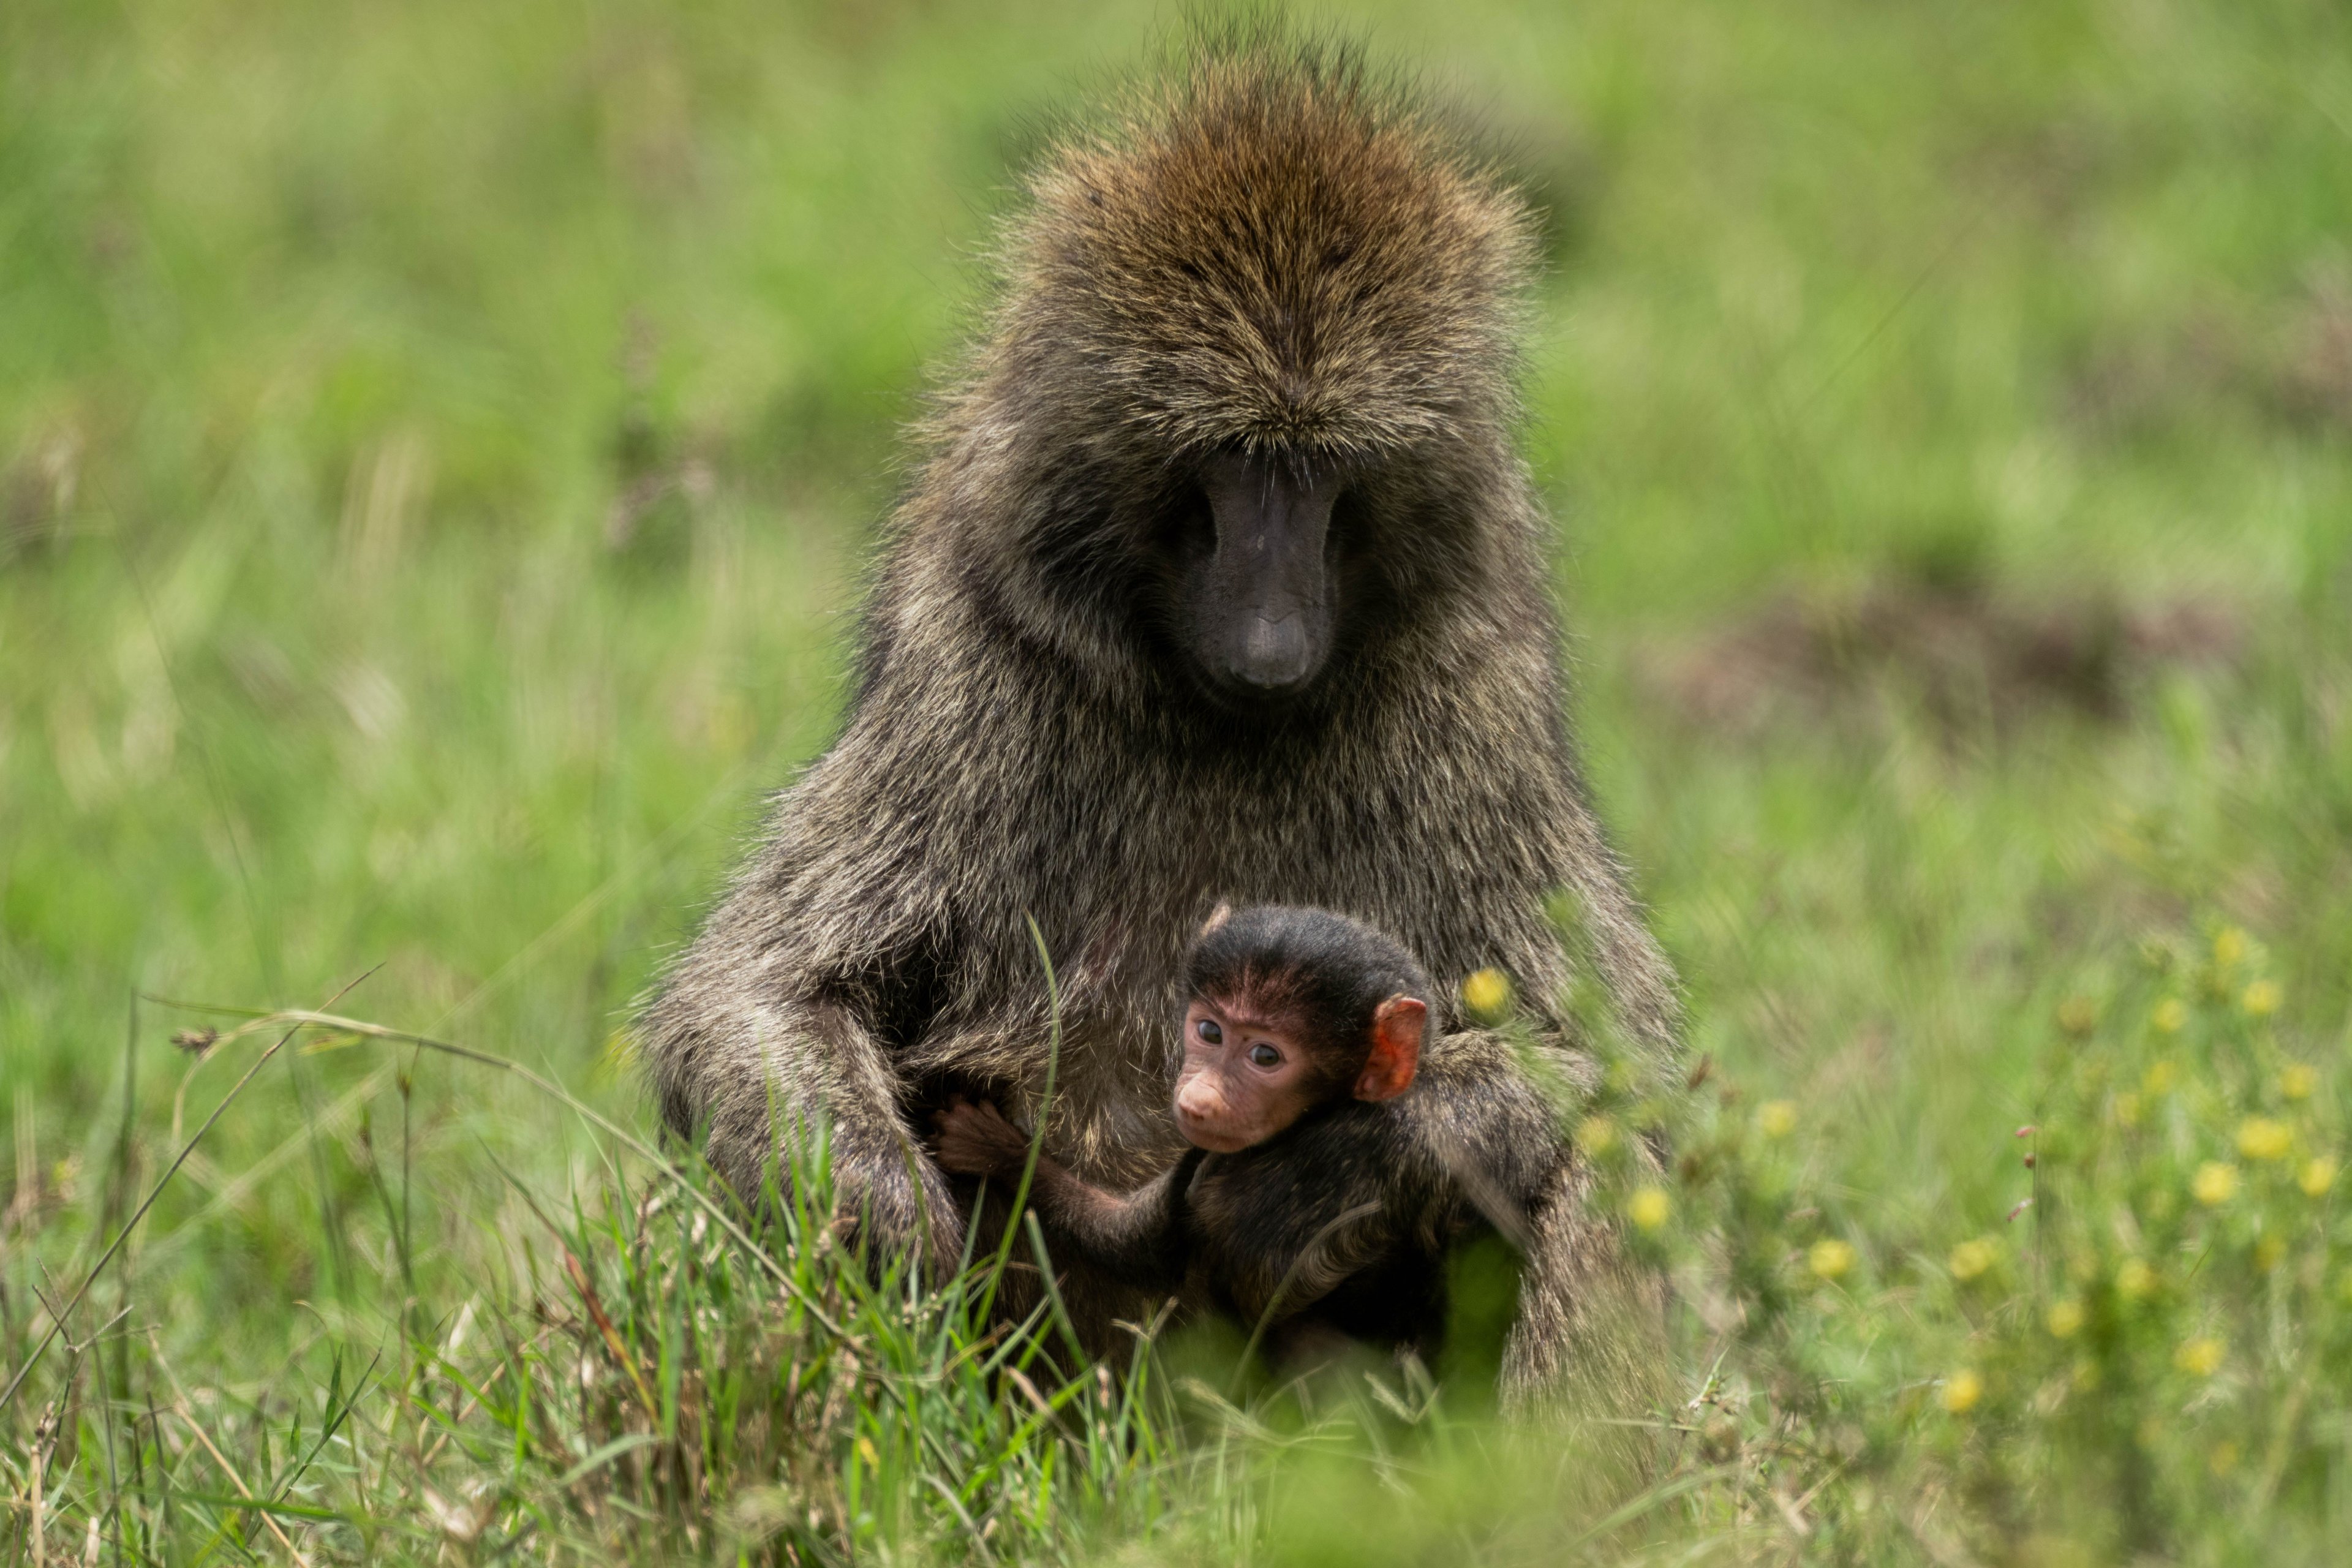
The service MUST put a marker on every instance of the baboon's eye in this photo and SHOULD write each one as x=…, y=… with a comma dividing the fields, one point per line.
x=1207, y=1029
x=1265, y=1056
x=1187, y=527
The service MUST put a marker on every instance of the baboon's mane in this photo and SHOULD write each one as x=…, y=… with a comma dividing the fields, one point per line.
x=1273, y=250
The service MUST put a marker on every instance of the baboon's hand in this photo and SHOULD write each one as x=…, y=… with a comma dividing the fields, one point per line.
x=974, y=1139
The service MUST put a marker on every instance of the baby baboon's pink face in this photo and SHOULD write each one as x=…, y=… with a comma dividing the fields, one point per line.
x=1249, y=1072
x=1245, y=1076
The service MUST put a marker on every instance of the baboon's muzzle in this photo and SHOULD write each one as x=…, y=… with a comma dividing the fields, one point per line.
x=1263, y=601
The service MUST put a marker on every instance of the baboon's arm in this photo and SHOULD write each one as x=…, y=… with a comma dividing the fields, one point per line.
x=1590, y=1318
x=1492, y=1136
x=762, y=1075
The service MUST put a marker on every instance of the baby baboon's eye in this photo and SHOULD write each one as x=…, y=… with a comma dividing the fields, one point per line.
x=1207, y=1029
x=1265, y=1056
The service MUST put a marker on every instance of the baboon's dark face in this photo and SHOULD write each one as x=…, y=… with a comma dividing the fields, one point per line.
x=1256, y=578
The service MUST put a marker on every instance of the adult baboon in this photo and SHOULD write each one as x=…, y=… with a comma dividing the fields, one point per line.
x=1222, y=581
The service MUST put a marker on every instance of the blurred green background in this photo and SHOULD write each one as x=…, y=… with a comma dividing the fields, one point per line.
x=438, y=445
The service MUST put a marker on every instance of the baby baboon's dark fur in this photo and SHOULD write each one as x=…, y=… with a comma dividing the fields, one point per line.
x=1272, y=258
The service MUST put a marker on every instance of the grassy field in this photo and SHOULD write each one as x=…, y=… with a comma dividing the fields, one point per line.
x=437, y=448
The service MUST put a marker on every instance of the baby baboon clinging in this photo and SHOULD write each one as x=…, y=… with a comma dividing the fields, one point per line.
x=1307, y=1206
x=1222, y=581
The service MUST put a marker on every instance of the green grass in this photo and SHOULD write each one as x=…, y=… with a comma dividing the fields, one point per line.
x=437, y=448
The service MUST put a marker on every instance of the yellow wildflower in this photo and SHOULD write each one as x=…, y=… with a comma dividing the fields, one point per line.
x=2267, y=1253
x=1487, y=994
x=2199, y=1357
x=2127, y=1110
x=2214, y=1182
x=2065, y=1318
x=2297, y=1079
x=1649, y=1208
x=2170, y=1014
x=2319, y=1174
x=2260, y=1138
x=2159, y=1078
x=2260, y=999
x=1971, y=1258
x=1830, y=1258
x=2134, y=1278
x=1962, y=1389
x=1777, y=1118
x=1596, y=1135
x=2228, y=946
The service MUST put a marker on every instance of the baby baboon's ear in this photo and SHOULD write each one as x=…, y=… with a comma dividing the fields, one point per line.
x=1217, y=917
x=1396, y=1055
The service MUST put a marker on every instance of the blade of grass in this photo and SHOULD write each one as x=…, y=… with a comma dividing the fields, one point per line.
x=1037, y=1132
x=57, y=1323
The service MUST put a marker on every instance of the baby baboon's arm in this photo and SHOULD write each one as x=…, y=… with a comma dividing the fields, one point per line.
x=1137, y=1239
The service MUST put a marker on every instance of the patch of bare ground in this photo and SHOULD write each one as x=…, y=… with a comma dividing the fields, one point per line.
x=1972, y=655
x=2287, y=362
x=2317, y=382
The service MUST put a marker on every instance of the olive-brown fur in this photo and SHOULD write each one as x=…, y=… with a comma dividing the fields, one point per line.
x=1269, y=255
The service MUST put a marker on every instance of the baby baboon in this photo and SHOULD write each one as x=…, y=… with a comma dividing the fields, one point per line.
x=1306, y=1204
x=1221, y=580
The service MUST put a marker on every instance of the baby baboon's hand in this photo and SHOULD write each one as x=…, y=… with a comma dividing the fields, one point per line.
x=974, y=1139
